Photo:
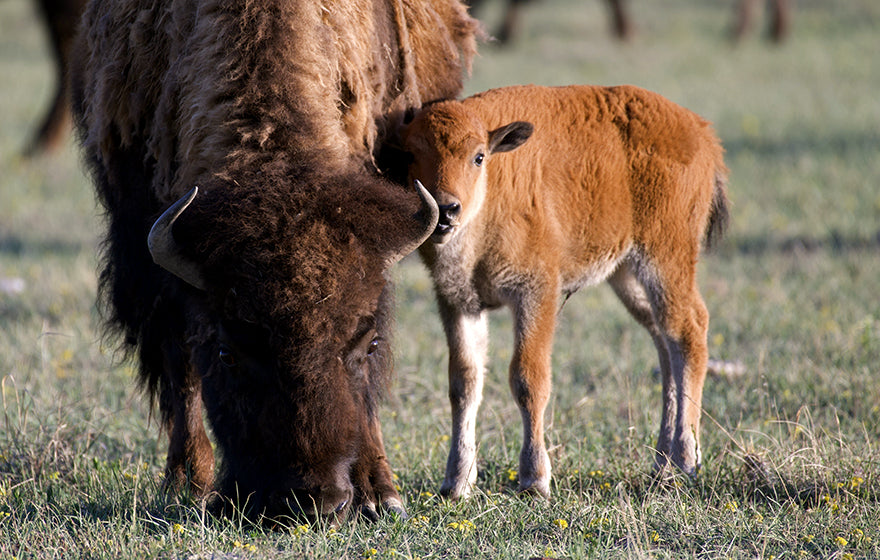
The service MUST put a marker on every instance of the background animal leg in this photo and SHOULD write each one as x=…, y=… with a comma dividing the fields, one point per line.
x=620, y=22
x=61, y=19
x=530, y=384
x=467, y=336
x=745, y=13
x=780, y=20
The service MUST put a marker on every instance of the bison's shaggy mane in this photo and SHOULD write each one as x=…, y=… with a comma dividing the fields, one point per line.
x=182, y=94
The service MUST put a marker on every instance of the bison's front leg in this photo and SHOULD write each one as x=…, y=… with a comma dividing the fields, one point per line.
x=190, y=461
x=467, y=336
x=373, y=479
x=534, y=321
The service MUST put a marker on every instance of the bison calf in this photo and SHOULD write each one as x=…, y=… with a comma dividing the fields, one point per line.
x=615, y=184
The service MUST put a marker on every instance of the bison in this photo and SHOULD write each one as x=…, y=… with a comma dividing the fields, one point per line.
x=233, y=146
x=615, y=184
x=620, y=21
x=61, y=18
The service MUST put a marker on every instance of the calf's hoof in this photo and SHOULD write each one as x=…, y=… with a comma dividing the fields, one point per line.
x=453, y=490
x=536, y=489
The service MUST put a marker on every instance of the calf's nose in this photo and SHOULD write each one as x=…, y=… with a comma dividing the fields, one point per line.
x=449, y=212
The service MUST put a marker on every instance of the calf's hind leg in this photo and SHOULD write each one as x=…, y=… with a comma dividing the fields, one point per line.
x=677, y=320
x=685, y=325
x=467, y=336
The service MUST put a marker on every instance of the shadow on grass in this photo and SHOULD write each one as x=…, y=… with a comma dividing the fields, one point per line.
x=17, y=245
x=834, y=242
x=844, y=143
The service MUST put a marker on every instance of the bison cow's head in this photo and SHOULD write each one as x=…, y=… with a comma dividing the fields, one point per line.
x=289, y=327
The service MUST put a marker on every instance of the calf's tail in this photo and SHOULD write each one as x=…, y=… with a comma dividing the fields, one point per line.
x=719, y=215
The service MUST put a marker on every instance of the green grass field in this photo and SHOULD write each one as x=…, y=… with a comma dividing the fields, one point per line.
x=790, y=448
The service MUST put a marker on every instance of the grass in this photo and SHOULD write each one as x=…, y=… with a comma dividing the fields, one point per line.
x=791, y=460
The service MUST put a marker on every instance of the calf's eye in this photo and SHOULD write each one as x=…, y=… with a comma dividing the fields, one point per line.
x=478, y=159
x=227, y=357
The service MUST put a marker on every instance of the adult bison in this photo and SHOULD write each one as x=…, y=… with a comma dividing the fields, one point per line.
x=244, y=135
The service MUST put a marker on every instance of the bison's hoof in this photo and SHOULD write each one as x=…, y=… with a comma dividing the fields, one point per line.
x=395, y=508
x=368, y=510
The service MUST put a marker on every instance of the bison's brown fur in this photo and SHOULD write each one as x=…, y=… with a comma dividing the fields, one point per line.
x=276, y=110
x=614, y=184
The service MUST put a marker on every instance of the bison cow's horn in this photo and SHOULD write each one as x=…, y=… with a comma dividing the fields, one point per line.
x=428, y=215
x=165, y=250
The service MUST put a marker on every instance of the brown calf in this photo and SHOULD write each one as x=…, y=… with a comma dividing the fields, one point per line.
x=614, y=184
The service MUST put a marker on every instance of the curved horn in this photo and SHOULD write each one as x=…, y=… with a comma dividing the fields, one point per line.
x=164, y=249
x=428, y=215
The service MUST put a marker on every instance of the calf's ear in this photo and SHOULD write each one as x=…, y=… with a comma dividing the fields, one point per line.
x=509, y=137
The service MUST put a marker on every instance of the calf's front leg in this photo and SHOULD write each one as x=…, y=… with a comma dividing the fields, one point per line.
x=467, y=337
x=534, y=323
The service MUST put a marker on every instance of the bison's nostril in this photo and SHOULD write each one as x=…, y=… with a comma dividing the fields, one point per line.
x=451, y=210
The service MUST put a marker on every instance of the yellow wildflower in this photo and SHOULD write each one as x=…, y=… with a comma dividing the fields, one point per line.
x=244, y=546
x=840, y=541
x=561, y=523
x=855, y=482
x=464, y=526
x=731, y=505
x=300, y=530
x=511, y=474
x=177, y=529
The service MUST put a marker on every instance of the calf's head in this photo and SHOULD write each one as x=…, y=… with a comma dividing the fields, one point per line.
x=289, y=320
x=452, y=149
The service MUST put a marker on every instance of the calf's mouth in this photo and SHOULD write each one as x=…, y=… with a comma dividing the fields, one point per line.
x=447, y=223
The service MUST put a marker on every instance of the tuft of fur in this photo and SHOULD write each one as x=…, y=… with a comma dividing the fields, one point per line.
x=719, y=215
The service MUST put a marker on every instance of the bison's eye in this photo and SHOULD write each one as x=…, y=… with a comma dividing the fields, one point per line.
x=478, y=159
x=374, y=345
x=227, y=357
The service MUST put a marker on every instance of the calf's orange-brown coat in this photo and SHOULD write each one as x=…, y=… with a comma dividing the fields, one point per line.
x=543, y=191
